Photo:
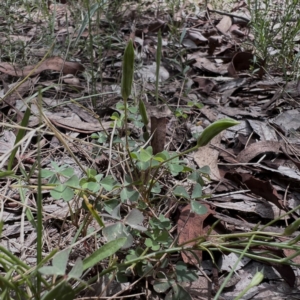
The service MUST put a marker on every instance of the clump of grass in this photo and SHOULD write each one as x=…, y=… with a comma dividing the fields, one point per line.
x=276, y=28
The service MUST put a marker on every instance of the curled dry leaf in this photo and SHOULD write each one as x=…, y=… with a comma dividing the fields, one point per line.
x=213, y=43
x=53, y=63
x=206, y=65
x=17, y=90
x=158, y=118
x=257, y=186
x=158, y=129
x=240, y=62
x=158, y=24
x=78, y=126
x=235, y=29
x=15, y=38
x=257, y=149
x=196, y=36
x=224, y=25
x=207, y=156
x=72, y=80
x=190, y=226
x=205, y=85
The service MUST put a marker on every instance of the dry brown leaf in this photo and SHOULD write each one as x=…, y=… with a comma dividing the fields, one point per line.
x=158, y=129
x=213, y=43
x=258, y=148
x=53, y=63
x=251, y=205
x=205, y=85
x=240, y=62
x=78, y=126
x=158, y=24
x=189, y=227
x=15, y=38
x=158, y=117
x=235, y=29
x=7, y=140
x=207, y=65
x=83, y=113
x=286, y=273
x=196, y=36
x=18, y=92
x=72, y=80
x=224, y=24
x=206, y=156
x=258, y=187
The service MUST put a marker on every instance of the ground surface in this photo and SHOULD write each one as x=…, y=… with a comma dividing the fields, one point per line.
x=66, y=64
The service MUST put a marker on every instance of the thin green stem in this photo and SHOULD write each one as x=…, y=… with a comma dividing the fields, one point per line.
x=233, y=269
x=39, y=208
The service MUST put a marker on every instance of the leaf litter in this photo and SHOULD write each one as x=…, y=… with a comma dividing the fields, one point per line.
x=206, y=73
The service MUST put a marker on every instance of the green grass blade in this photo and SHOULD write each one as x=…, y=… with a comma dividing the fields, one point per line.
x=8, y=284
x=19, y=137
x=158, y=59
x=28, y=212
x=1, y=227
x=256, y=280
x=6, y=173
x=39, y=207
x=234, y=268
x=88, y=15
x=13, y=258
x=62, y=291
x=93, y=212
x=105, y=251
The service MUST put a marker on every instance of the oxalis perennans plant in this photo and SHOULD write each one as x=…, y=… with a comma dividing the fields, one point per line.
x=138, y=229
x=140, y=187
